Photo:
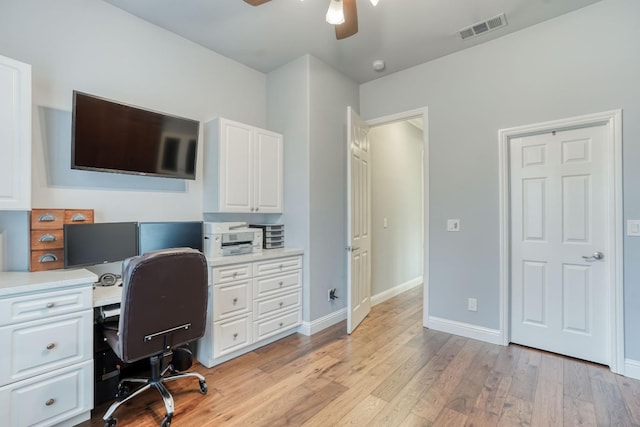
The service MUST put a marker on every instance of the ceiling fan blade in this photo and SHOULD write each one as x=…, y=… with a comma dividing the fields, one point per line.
x=350, y=25
x=256, y=2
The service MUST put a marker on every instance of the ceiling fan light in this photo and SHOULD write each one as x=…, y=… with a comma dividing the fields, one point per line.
x=374, y=2
x=335, y=14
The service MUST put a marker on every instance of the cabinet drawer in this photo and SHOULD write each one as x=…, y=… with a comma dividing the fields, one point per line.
x=44, y=305
x=263, y=286
x=231, y=299
x=266, y=328
x=78, y=216
x=231, y=335
x=48, y=399
x=230, y=273
x=37, y=347
x=276, y=266
x=46, y=239
x=269, y=306
x=47, y=219
x=47, y=259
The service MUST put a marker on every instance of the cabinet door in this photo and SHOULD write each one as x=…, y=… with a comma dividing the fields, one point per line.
x=268, y=183
x=236, y=168
x=15, y=135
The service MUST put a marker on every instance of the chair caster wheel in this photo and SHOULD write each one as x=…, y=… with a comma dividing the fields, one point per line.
x=122, y=392
x=203, y=387
x=111, y=422
x=166, y=421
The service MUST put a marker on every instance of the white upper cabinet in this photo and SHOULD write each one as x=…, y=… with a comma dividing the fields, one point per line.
x=243, y=168
x=15, y=135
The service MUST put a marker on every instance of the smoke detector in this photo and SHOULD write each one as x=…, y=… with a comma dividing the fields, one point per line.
x=378, y=65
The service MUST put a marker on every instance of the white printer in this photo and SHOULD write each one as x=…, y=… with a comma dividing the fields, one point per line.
x=231, y=238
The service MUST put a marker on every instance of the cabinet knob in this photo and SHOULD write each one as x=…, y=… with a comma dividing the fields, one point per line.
x=281, y=324
x=235, y=301
x=50, y=305
x=235, y=273
x=280, y=283
x=281, y=266
x=281, y=303
x=50, y=402
x=235, y=335
x=51, y=346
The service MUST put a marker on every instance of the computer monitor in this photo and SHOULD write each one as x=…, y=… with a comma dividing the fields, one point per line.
x=99, y=243
x=153, y=236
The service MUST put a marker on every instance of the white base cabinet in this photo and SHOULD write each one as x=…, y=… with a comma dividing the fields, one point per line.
x=243, y=168
x=46, y=370
x=250, y=305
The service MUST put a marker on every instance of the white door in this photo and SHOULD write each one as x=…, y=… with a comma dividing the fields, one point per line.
x=268, y=172
x=560, y=290
x=236, y=167
x=358, y=223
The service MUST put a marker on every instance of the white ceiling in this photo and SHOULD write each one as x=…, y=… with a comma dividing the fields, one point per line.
x=403, y=33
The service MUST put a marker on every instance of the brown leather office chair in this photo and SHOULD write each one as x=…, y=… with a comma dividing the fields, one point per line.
x=164, y=302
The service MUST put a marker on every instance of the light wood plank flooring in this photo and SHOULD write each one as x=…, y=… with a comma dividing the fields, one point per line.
x=393, y=372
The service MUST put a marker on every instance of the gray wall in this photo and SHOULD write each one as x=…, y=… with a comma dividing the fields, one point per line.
x=396, y=194
x=91, y=46
x=307, y=102
x=288, y=113
x=583, y=62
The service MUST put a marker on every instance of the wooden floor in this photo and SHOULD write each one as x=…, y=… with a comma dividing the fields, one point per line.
x=394, y=372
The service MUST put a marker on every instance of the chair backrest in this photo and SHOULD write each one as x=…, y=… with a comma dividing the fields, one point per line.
x=164, y=302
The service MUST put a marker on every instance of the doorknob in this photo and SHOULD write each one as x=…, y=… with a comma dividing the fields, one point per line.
x=594, y=257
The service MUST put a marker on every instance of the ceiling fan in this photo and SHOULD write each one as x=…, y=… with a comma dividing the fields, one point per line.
x=342, y=14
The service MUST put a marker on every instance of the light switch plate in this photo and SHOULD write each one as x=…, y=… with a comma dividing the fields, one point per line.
x=453, y=225
x=633, y=227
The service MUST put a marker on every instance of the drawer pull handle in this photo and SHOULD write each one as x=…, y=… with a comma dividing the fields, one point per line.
x=78, y=217
x=281, y=283
x=281, y=324
x=48, y=258
x=281, y=303
x=47, y=238
x=51, y=346
x=235, y=335
x=47, y=217
x=235, y=301
x=50, y=402
x=50, y=305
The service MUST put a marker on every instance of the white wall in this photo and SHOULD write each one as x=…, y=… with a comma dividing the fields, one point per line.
x=396, y=194
x=94, y=47
x=579, y=63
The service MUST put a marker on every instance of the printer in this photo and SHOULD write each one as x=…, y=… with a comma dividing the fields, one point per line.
x=231, y=238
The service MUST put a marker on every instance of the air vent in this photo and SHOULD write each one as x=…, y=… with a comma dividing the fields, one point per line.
x=484, y=27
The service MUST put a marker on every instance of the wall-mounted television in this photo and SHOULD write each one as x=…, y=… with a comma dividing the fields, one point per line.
x=110, y=136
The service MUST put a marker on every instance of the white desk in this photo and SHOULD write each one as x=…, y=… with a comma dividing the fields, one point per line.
x=107, y=295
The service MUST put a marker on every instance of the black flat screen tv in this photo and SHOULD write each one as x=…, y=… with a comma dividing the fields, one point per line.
x=112, y=137
x=99, y=243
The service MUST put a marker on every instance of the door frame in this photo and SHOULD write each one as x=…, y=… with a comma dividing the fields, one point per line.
x=612, y=120
x=403, y=116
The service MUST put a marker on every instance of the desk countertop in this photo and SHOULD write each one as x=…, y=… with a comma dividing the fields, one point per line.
x=265, y=255
x=16, y=282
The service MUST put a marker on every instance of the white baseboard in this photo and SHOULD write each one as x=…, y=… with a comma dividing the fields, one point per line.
x=396, y=290
x=467, y=330
x=632, y=368
x=310, y=328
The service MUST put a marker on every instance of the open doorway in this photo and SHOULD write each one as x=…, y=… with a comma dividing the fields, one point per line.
x=399, y=205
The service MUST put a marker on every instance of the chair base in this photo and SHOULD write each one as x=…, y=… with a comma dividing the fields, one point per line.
x=156, y=381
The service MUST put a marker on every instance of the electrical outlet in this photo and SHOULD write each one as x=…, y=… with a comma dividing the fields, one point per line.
x=472, y=304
